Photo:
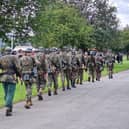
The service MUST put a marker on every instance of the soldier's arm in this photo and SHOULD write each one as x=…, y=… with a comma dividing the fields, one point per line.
x=17, y=66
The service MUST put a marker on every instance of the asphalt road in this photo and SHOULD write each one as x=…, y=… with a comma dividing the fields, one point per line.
x=99, y=105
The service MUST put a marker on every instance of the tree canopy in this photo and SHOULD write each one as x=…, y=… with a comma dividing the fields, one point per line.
x=47, y=23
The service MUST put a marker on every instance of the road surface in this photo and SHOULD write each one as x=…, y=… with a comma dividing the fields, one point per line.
x=99, y=105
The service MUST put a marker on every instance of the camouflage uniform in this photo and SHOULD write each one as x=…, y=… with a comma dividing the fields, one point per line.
x=42, y=70
x=91, y=67
x=11, y=68
x=54, y=66
x=81, y=67
x=27, y=64
x=99, y=66
x=75, y=64
x=110, y=64
x=66, y=69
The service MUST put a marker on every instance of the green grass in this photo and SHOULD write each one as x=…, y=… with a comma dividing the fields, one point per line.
x=20, y=89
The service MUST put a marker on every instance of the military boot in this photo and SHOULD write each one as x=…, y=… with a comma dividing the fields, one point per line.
x=55, y=92
x=88, y=79
x=63, y=88
x=30, y=102
x=27, y=105
x=77, y=81
x=8, y=112
x=81, y=83
x=49, y=92
x=68, y=88
x=40, y=97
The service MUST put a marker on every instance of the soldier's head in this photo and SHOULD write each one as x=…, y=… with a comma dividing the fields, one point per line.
x=28, y=52
x=7, y=51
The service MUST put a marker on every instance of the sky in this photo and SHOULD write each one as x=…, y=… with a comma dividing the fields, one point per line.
x=123, y=11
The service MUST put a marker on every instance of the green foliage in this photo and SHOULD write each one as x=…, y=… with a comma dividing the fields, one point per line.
x=62, y=25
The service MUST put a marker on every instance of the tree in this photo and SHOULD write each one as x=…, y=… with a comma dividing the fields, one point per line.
x=61, y=25
x=102, y=16
x=16, y=17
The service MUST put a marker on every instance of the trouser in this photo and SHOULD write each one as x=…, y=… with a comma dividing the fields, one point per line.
x=110, y=73
x=91, y=75
x=9, y=91
x=67, y=75
x=74, y=75
x=53, y=78
x=41, y=83
x=80, y=76
x=28, y=86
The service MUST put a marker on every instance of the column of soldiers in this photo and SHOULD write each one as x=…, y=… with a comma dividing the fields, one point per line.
x=44, y=69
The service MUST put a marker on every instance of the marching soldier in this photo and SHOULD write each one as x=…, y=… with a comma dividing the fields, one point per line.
x=11, y=69
x=42, y=70
x=99, y=66
x=54, y=67
x=75, y=64
x=91, y=67
x=110, y=64
x=66, y=68
x=27, y=64
x=81, y=66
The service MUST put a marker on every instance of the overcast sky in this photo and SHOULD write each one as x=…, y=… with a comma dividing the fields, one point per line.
x=123, y=11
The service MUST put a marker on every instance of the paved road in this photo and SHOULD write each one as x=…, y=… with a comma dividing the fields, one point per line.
x=99, y=105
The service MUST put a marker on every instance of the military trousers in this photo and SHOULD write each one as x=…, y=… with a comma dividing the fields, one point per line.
x=28, y=86
x=53, y=78
x=9, y=91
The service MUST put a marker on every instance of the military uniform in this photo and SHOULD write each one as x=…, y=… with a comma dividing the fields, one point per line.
x=110, y=65
x=42, y=71
x=81, y=67
x=91, y=67
x=66, y=69
x=54, y=66
x=99, y=66
x=27, y=64
x=75, y=64
x=11, y=68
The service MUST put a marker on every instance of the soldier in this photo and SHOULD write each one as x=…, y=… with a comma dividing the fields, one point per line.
x=66, y=68
x=42, y=71
x=81, y=66
x=27, y=64
x=75, y=64
x=99, y=65
x=54, y=67
x=91, y=67
x=110, y=64
x=11, y=69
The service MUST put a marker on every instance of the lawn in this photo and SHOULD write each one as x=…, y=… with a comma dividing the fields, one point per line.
x=20, y=90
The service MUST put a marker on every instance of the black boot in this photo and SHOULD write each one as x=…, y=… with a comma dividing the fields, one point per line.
x=68, y=88
x=40, y=97
x=55, y=93
x=63, y=88
x=27, y=105
x=73, y=86
x=8, y=112
x=88, y=79
x=49, y=92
